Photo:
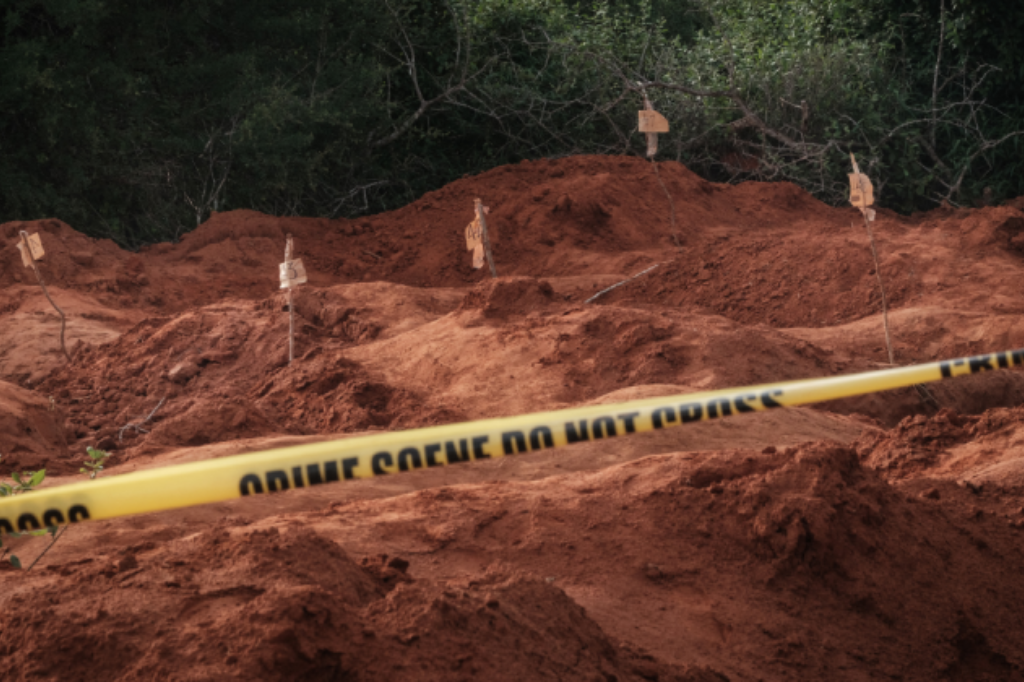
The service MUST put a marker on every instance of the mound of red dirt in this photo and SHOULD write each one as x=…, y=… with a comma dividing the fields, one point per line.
x=974, y=450
x=738, y=555
x=32, y=431
x=259, y=604
x=785, y=564
x=731, y=565
x=214, y=376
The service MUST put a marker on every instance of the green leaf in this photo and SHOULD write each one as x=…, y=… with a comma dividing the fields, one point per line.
x=15, y=561
x=37, y=478
x=17, y=477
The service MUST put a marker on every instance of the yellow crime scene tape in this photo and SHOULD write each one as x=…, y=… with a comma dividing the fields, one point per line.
x=217, y=480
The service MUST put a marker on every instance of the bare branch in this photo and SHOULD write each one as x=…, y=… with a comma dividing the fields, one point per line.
x=938, y=62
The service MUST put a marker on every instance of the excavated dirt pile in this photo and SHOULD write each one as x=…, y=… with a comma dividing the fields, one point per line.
x=879, y=537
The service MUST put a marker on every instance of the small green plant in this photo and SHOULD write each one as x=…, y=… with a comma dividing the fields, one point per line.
x=94, y=465
x=28, y=480
x=20, y=484
x=23, y=482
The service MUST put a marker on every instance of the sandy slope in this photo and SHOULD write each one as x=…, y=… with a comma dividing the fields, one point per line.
x=876, y=537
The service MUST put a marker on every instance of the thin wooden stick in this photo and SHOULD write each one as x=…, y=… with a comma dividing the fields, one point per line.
x=625, y=281
x=486, y=239
x=881, y=287
x=39, y=276
x=652, y=150
x=56, y=536
x=864, y=204
x=291, y=306
x=671, y=203
x=138, y=425
x=923, y=391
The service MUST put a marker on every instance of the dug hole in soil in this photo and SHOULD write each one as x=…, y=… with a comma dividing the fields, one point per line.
x=879, y=537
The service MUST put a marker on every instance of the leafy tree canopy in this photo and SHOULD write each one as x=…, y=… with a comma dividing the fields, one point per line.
x=135, y=120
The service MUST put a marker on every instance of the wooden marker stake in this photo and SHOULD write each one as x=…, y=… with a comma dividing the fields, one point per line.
x=291, y=305
x=862, y=195
x=486, y=239
x=292, y=274
x=651, y=123
x=478, y=241
x=31, y=248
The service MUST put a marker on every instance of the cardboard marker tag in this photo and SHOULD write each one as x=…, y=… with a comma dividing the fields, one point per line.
x=35, y=244
x=293, y=273
x=862, y=193
x=34, y=251
x=475, y=241
x=652, y=122
x=474, y=234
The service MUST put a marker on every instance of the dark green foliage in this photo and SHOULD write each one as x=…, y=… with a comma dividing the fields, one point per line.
x=681, y=19
x=928, y=125
x=124, y=118
x=981, y=48
x=135, y=120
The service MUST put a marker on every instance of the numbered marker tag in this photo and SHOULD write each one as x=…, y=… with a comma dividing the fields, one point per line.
x=862, y=193
x=293, y=273
x=35, y=244
x=35, y=249
x=652, y=122
x=475, y=242
x=474, y=234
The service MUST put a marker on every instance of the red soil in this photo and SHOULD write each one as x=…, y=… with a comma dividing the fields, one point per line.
x=876, y=537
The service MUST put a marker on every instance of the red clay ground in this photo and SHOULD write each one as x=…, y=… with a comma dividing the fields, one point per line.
x=880, y=537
